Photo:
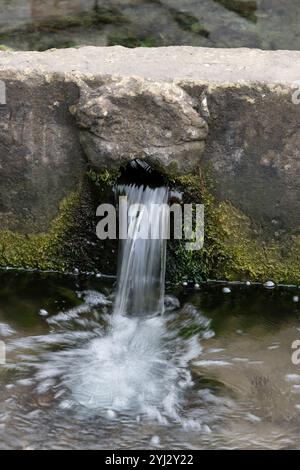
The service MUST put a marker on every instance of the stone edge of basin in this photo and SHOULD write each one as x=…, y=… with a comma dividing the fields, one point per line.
x=178, y=63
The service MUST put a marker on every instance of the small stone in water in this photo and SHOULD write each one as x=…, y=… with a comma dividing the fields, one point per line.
x=98, y=275
x=197, y=286
x=269, y=284
x=184, y=283
x=248, y=283
x=296, y=298
x=43, y=312
x=76, y=271
x=226, y=290
x=155, y=440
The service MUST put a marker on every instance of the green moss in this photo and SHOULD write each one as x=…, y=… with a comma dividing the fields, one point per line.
x=189, y=23
x=44, y=250
x=131, y=40
x=71, y=241
x=247, y=255
x=244, y=8
x=104, y=180
x=97, y=18
x=234, y=246
x=4, y=48
x=54, y=32
x=43, y=44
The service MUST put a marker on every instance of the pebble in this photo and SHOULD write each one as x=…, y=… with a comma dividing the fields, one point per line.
x=184, y=283
x=248, y=283
x=296, y=298
x=226, y=290
x=197, y=286
x=269, y=284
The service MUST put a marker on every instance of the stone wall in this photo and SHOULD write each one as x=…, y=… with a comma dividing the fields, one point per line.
x=221, y=119
x=46, y=24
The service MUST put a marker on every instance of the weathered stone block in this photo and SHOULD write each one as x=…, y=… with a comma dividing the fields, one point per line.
x=221, y=123
x=133, y=118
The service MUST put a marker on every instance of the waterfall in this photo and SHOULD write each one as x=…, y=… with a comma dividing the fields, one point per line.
x=136, y=366
x=142, y=255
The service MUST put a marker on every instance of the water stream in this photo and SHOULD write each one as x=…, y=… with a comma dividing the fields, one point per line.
x=128, y=368
x=142, y=257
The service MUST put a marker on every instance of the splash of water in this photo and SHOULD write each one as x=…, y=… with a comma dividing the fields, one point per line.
x=133, y=362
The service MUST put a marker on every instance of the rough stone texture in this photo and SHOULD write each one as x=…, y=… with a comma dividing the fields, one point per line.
x=14, y=13
x=253, y=153
x=265, y=24
x=41, y=9
x=131, y=118
x=18, y=13
x=198, y=65
x=155, y=103
x=41, y=160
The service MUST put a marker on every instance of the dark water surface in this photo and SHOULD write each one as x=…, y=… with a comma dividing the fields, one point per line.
x=214, y=372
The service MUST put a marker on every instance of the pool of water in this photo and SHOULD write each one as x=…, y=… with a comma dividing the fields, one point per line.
x=215, y=371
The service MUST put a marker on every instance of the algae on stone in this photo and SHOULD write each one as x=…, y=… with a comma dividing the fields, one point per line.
x=234, y=246
x=71, y=241
x=244, y=8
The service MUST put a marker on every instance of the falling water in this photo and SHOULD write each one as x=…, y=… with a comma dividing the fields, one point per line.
x=131, y=368
x=142, y=257
x=131, y=363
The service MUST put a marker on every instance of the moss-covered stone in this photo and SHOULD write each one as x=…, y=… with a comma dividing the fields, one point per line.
x=96, y=18
x=244, y=8
x=248, y=255
x=189, y=23
x=71, y=241
x=61, y=31
x=4, y=48
x=133, y=40
x=44, y=250
x=234, y=246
